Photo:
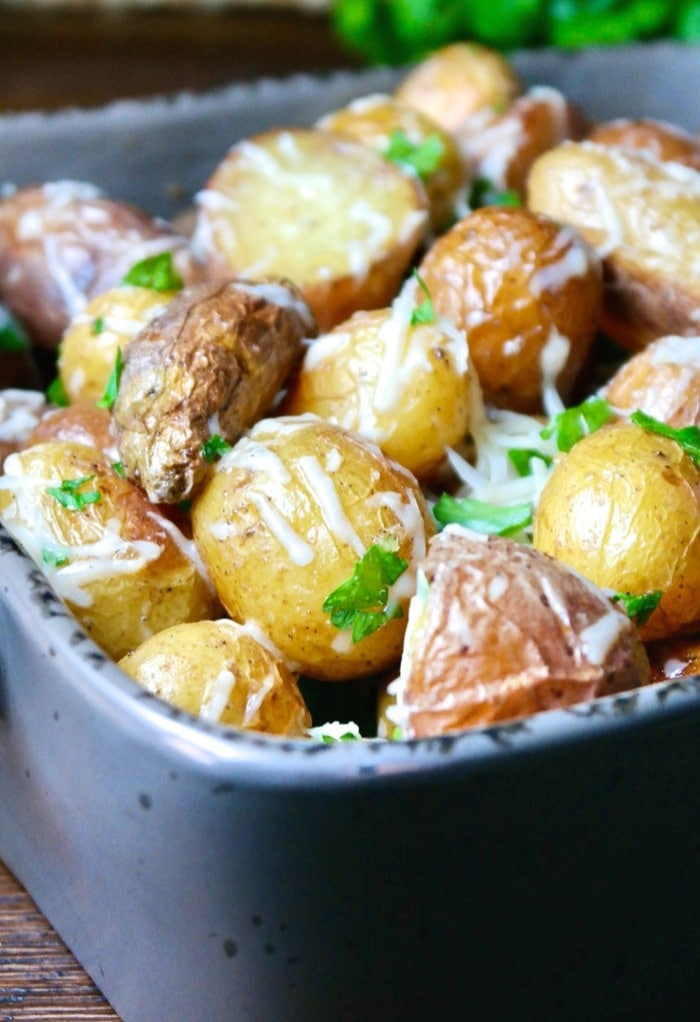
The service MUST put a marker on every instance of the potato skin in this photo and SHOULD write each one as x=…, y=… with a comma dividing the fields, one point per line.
x=662, y=380
x=498, y=631
x=643, y=217
x=126, y=573
x=64, y=242
x=282, y=522
x=217, y=670
x=623, y=509
x=210, y=364
x=658, y=138
x=515, y=281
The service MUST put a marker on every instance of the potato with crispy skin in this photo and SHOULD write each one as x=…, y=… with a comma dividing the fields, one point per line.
x=527, y=291
x=219, y=671
x=643, y=218
x=662, y=380
x=457, y=81
x=124, y=570
x=498, y=631
x=658, y=138
x=623, y=509
x=63, y=243
x=293, y=512
x=209, y=366
x=409, y=138
x=319, y=208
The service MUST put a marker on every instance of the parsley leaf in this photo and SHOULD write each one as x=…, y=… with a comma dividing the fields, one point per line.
x=423, y=158
x=484, y=193
x=492, y=519
x=362, y=601
x=425, y=312
x=157, y=273
x=112, y=388
x=98, y=325
x=688, y=437
x=213, y=448
x=68, y=493
x=521, y=459
x=56, y=393
x=639, y=608
x=118, y=467
x=53, y=558
x=573, y=424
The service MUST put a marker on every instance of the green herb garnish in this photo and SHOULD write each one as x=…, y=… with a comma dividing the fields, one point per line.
x=484, y=193
x=213, y=448
x=70, y=496
x=639, y=608
x=118, y=467
x=98, y=324
x=56, y=393
x=521, y=459
x=157, y=273
x=688, y=436
x=362, y=601
x=423, y=158
x=112, y=388
x=347, y=736
x=53, y=559
x=573, y=424
x=492, y=519
x=12, y=337
x=425, y=312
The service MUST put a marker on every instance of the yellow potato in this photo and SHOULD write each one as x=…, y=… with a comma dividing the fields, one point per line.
x=283, y=521
x=124, y=570
x=317, y=208
x=643, y=217
x=662, y=380
x=405, y=387
x=218, y=671
x=658, y=138
x=623, y=509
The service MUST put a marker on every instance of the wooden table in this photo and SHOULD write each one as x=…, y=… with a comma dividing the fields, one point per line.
x=40, y=981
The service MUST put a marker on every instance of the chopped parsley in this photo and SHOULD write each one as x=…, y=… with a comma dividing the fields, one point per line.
x=71, y=495
x=484, y=193
x=521, y=459
x=98, y=324
x=423, y=158
x=213, y=448
x=425, y=312
x=56, y=393
x=688, y=436
x=480, y=516
x=156, y=272
x=639, y=608
x=112, y=387
x=118, y=467
x=53, y=558
x=573, y=424
x=362, y=601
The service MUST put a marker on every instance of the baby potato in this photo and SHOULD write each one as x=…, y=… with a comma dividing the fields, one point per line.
x=406, y=387
x=458, y=81
x=81, y=423
x=218, y=671
x=658, y=138
x=295, y=510
x=662, y=380
x=124, y=570
x=643, y=217
x=319, y=208
x=527, y=291
x=623, y=509
x=498, y=631
x=209, y=366
x=411, y=139
x=500, y=147
x=89, y=345
x=63, y=243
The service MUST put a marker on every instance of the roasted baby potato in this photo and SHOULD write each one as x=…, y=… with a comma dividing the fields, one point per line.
x=662, y=380
x=88, y=348
x=459, y=81
x=63, y=243
x=218, y=671
x=658, y=138
x=643, y=217
x=80, y=423
x=122, y=568
x=285, y=520
x=623, y=509
x=321, y=209
x=210, y=365
x=498, y=630
x=411, y=139
x=406, y=387
x=500, y=147
x=527, y=291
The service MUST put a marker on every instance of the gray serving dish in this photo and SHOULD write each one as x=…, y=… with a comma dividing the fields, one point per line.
x=543, y=870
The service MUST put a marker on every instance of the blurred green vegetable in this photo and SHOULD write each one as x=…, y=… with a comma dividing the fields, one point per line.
x=398, y=31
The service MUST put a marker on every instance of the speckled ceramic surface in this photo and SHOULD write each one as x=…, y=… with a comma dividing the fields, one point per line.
x=539, y=870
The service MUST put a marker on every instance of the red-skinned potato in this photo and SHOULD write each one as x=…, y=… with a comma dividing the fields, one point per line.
x=662, y=380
